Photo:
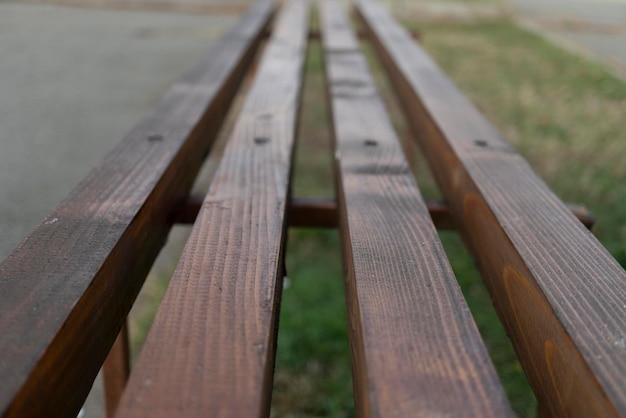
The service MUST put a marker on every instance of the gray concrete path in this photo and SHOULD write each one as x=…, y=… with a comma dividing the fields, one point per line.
x=607, y=12
x=73, y=82
x=597, y=27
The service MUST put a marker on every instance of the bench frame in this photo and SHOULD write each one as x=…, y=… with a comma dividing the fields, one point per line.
x=67, y=289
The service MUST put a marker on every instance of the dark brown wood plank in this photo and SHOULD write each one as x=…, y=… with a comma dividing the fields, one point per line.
x=416, y=350
x=559, y=293
x=66, y=290
x=210, y=351
x=583, y=215
x=443, y=219
x=320, y=212
x=313, y=212
x=314, y=35
x=305, y=212
x=115, y=371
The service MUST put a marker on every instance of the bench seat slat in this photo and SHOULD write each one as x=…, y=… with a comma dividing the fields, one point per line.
x=559, y=293
x=67, y=288
x=416, y=349
x=210, y=351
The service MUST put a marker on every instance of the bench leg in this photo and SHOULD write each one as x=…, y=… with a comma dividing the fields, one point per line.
x=543, y=411
x=116, y=369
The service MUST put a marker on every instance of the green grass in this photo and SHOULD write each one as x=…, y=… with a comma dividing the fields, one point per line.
x=313, y=360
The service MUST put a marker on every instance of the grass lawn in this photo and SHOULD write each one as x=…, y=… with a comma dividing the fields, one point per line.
x=564, y=114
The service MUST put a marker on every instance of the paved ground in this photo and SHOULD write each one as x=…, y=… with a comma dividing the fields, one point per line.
x=597, y=27
x=608, y=12
x=73, y=82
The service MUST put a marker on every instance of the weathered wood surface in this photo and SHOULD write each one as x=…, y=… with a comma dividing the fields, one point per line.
x=210, y=351
x=560, y=294
x=416, y=350
x=66, y=290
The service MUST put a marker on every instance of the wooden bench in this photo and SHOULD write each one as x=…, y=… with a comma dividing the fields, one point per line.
x=67, y=289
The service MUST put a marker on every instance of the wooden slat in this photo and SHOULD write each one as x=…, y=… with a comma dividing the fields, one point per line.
x=320, y=212
x=115, y=371
x=312, y=212
x=440, y=215
x=443, y=219
x=314, y=35
x=583, y=215
x=210, y=351
x=66, y=290
x=559, y=292
x=416, y=350
x=306, y=212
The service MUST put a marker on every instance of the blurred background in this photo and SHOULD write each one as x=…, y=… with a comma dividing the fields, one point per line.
x=76, y=75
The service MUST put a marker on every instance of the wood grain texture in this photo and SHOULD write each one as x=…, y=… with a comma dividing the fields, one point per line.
x=416, y=350
x=559, y=293
x=66, y=290
x=210, y=351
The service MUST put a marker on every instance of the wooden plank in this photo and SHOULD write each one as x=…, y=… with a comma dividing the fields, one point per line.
x=115, y=371
x=210, y=351
x=583, y=215
x=320, y=212
x=312, y=212
x=305, y=212
x=314, y=35
x=559, y=293
x=440, y=215
x=416, y=350
x=66, y=290
x=443, y=219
